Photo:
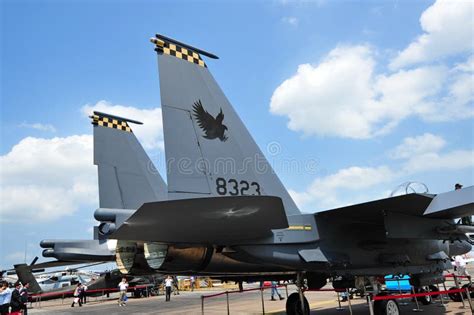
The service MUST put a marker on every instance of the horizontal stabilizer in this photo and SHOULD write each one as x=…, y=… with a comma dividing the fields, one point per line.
x=217, y=221
x=452, y=204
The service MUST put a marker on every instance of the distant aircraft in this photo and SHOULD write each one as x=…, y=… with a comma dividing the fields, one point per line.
x=227, y=214
x=64, y=283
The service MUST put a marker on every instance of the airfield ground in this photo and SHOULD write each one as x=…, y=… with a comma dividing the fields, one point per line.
x=240, y=303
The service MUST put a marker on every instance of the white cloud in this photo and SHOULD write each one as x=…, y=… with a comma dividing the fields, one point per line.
x=38, y=126
x=413, y=146
x=433, y=161
x=347, y=95
x=150, y=134
x=329, y=191
x=359, y=184
x=293, y=21
x=46, y=179
x=422, y=153
x=342, y=96
x=448, y=29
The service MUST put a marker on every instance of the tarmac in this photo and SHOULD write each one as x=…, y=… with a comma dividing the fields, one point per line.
x=239, y=303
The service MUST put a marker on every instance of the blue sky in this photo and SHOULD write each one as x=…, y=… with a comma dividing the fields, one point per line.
x=401, y=70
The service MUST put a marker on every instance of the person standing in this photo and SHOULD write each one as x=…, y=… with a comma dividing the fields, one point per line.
x=460, y=263
x=82, y=295
x=193, y=282
x=76, y=294
x=5, y=298
x=15, y=302
x=123, y=286
x=175, y=285
x=24, y=298
x=168, y=286
x=275, y=291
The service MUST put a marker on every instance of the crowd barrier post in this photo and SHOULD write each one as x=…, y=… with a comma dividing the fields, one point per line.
x=457, y=287
x=349, y=301
x=202, y=304
x=417, y=309
x=400, y=292
x=227, y=301
x=441, y=298
x=286, y=290
x=339, y=308
x=371, y=304
x=263, y=302
x=468, y=295
x=62, y=299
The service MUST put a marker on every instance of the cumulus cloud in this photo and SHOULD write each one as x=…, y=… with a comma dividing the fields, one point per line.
x=329, y=191
x=343, y=96
x=413, y=146
x=347, y=95
x=38, y=126
x=448, y=29
x=416, y=154
x=46, y=179
x=150, y=133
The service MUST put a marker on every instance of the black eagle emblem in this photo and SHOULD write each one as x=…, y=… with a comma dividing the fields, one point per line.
x=213, y=127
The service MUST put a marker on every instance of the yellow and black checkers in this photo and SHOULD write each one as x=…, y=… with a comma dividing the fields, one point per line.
x=110, y=122
x=179, y=52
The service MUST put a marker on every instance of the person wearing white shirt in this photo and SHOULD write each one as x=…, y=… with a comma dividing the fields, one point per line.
x=168, y=286
x=5, y=298
x=460, y=264
x=123, y=286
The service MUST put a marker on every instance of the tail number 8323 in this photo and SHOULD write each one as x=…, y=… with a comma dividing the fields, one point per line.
x=234, y=187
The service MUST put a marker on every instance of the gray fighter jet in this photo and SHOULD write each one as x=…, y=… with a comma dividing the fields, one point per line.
x=227, y=214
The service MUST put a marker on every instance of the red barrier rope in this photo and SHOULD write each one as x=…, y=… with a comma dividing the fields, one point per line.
x=41, y=295
x=238, y=291
x=406, y=296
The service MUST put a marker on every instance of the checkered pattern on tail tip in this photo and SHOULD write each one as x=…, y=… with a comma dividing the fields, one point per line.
x=110, y=123
x=181, y=53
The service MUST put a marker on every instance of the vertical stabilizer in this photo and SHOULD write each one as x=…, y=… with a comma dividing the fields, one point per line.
x=127, y=176
x=209, y=151
x=25, y=275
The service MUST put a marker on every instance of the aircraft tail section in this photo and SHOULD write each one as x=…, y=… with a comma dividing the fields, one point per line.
x=25, y=275
x=127, y=176
x=209, y=151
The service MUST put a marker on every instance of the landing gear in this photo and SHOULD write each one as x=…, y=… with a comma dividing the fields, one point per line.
x=297, y=304
x=293, y=305
x=456, y=296
x=386, y=307
x=425, y=300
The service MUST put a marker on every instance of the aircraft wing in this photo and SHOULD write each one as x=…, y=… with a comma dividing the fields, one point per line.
x=448, y=205
x=452, y=204
x=218, y=220
x=407, y=216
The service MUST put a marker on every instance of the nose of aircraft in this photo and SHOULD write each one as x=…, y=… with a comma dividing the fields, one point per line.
x=459, y=248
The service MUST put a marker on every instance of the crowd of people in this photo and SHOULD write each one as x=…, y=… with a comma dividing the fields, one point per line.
x=13, y=300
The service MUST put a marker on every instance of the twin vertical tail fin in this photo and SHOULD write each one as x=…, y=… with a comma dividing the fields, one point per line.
x=209, y=151
x=25, y=275
x=127, y=176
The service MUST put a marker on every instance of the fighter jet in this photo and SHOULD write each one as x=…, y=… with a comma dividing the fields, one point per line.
x=227, y=214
